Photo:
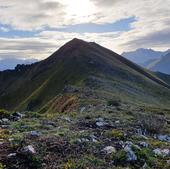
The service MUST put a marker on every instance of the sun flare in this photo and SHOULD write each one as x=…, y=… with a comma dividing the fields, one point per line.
x=79, y=9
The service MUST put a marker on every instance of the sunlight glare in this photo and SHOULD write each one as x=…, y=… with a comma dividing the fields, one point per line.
x=79, y=9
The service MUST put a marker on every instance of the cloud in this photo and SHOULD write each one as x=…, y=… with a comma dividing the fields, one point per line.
x=47, y=42
x=32, y=14
x=25, y=47
x=149, y=30
x=4, y=29
x=158, y=40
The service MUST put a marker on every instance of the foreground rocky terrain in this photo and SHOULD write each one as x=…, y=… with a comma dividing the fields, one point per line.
x=112, y=135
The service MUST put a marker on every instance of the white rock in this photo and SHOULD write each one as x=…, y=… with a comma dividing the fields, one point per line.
x=117, y=122
x=29, y=149
x=12, y=155
x=5, y=120
x=100, y=124
x=82, y=109
x=109, y=150
x=83, y=140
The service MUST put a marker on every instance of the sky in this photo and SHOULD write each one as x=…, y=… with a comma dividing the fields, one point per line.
x=37, y=28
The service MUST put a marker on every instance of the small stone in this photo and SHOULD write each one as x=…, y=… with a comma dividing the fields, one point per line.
x=165, y=152
x=145, y=166
x=117, y=122
x=79, y=140
x=161, y=152
x=82, y=109
x=109, y=150
x=66, y=119
x=100, y=124
x=130, y=154
x=11, y=139
x=157, y=151
x=164, y=138
x=83, y=140
x=35, y=134
x=100, y=119
x=29, y=149
x=94, y=139
x=144, y=144
x=48, y=122
x=12, y=155
x=5, y=120
x=17, y=114
x=168, y=162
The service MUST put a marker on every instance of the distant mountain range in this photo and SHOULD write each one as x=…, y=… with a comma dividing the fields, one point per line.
x=161, y=65
x=11, y=63
x=79, y=73
x=150, y=59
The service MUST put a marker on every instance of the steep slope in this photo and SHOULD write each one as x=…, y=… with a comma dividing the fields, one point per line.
x=164, y=77
x=85, y=66
x=161, y=65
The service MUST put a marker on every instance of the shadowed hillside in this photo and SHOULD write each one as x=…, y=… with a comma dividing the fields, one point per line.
x=80, y=64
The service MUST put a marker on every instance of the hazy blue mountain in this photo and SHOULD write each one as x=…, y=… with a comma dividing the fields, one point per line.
x=161, y=65
x=142, y=56
x=149, y=62
x=10, y=63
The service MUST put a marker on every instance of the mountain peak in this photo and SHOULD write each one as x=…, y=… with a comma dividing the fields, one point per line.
x=73, y=45
x=76, y=41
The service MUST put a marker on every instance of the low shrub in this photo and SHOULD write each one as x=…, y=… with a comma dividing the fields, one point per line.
x=115, y=103
x=4, y=114
x=71, y=164
x=1, y=166
x=115, y=133
x=120, y=157
x=4, y=133
x=152, y=123
x=144, y=155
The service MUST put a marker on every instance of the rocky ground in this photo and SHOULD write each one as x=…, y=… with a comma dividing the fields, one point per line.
x=112, y=135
